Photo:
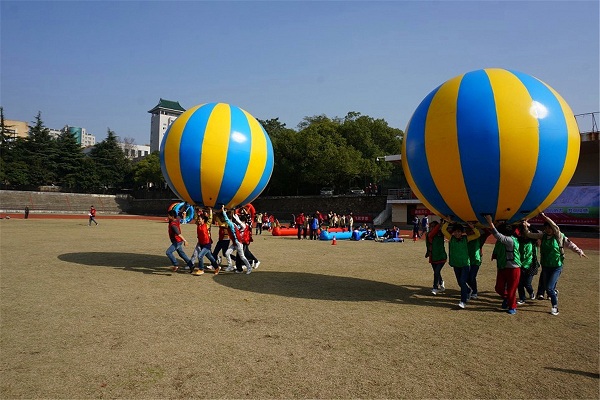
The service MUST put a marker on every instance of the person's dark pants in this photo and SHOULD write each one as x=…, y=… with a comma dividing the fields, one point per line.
x=300, y=232
x=437, y=273
x=462, y=277
x=221, y=246
x=551, y=276
x=525, y=284
x=473, y=278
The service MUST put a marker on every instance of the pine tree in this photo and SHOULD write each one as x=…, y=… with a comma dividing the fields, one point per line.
x=69, y=159
x=111, y=164
x=41, y=154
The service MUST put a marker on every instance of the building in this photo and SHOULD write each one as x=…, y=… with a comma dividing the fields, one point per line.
x=163, y=115
x=82, y=137
x=135, y=151
x=17, y=128
x=21, y=129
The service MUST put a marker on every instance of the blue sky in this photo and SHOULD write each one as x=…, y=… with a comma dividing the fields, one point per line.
x=101, y=64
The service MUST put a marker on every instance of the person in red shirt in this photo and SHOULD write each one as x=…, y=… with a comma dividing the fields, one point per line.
x=92, y=216
x=300, y=220
x=177, y=241
x=203, y=247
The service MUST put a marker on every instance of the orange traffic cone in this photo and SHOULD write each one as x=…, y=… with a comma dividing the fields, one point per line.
x=334, y=241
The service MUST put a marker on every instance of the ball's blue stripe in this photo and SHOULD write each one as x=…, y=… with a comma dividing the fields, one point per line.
x=191, y=143
x=476, y=112
x=552, y=151
x=416, y=156
x=238, y=156
x=266, y=175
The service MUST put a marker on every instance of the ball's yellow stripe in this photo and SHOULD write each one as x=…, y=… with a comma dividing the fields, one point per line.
x=214, y=153
x=257, y=162
x=518, y=131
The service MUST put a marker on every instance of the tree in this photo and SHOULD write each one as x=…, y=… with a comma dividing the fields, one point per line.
x=40, y=154
x=128, y=146
x=69, y=160
x=111, y=164
x=147, y=172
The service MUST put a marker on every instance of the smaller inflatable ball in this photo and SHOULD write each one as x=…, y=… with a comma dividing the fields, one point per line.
x=491, y=141
x=216, y=154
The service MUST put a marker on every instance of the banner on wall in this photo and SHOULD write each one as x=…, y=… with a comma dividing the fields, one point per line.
x=577, y=205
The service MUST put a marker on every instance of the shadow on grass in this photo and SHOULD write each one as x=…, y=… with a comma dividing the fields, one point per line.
x=147, y=264
x=576, y=372
x=295, y=284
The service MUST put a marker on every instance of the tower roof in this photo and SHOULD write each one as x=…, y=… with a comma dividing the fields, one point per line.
x=168, y=105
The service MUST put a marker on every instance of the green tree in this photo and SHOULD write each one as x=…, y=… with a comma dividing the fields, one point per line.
x=40, y=154
x=69, y=159
x=372, y=138
x=147, y=172
x=14, y=169
x=112, y=166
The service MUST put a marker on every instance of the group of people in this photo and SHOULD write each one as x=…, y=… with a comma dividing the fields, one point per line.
x=516, y=255
x=264, y=222
x=420, y=226
x=372, y=189
x=235, y=235
x=309, y=225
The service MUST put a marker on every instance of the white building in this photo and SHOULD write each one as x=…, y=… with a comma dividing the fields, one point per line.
x=133, y=151
x=163, y=115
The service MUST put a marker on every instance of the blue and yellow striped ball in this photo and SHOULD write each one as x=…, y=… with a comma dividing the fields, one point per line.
x=491, y=141
x=216, y=154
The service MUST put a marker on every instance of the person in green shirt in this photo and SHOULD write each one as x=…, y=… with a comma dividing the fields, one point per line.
x=475, y=257
x=529, y=265
x=459, y=256
x=552, y=256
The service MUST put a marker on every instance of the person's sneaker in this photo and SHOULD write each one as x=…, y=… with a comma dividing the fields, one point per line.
x=442, y=286
x=217, y=270
x=219, y=259
x=249, y=271
x=197, y=272
x=175, y=268
x=554, y=311
x=237, y=271
x=474, y=296
x=512, y=311
x=504, y=304
x=462, y=305
x=256, y=265
x=532, y=296
x=229, y=268
x=209, y=268
x=540, y=297
x=521, y=302
x=434, y=291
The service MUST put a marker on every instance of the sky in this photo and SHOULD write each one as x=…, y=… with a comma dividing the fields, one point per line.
x=103, y=65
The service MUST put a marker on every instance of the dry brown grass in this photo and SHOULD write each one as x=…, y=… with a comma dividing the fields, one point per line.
x=94, y=312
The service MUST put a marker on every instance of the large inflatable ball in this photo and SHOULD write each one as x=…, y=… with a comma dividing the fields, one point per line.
x=491, y=141
x=216, y=154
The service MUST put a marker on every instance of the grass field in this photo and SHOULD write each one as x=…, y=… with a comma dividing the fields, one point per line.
x=95, y=312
